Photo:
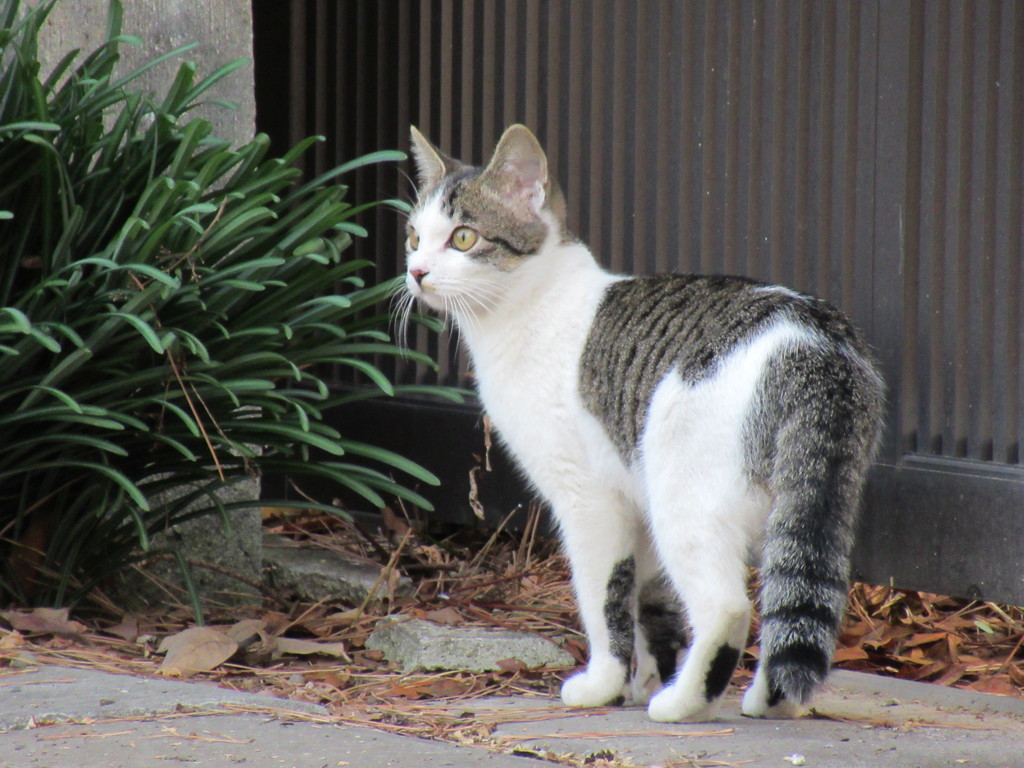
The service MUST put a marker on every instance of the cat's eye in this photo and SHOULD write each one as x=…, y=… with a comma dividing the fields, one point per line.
x=464, y=238
x=414, y=239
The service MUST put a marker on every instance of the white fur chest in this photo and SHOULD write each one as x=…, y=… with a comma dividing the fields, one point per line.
x=526, y=362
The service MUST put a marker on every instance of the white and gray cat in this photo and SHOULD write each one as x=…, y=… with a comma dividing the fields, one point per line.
x=679, y=426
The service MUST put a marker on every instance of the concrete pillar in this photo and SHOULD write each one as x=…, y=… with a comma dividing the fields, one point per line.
x=222, y=29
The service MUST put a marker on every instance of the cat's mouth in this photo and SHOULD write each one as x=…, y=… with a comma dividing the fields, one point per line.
x=420, y=285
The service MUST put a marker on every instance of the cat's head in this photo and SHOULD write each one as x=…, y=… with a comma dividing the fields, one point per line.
x=473, y=226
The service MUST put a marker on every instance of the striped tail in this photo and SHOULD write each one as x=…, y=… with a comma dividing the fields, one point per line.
x=824, y=445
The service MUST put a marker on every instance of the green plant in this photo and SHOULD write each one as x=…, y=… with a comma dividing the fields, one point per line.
x=168, y=308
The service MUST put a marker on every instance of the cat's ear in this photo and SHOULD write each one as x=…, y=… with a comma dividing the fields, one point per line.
x=432, y=164
x=519, y=167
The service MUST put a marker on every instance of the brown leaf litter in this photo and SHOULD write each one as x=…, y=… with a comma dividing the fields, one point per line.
x=315, y=652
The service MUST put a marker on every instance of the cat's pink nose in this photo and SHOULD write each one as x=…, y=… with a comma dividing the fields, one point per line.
x=418, y=275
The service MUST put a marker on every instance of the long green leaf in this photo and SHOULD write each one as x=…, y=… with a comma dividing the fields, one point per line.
x=391, y=459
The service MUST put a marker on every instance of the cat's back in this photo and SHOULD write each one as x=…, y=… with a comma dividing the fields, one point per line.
x=645, y=327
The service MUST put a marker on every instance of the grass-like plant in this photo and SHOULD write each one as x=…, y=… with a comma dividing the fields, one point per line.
x=169, y=309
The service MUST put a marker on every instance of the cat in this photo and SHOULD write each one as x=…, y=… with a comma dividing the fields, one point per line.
x=679, y=427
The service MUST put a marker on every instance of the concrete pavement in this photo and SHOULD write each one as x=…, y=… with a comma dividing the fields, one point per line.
x=65, y=717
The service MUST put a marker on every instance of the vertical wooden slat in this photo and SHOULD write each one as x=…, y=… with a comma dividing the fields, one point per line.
x=959, y=231
x=778, y=211
x=798, y=267
x=596, y=182
x=466, y=103
x=489, y=114
x=705, y=148
x=980, y=329
x=934, y=141
x=556, y=72
x=911, y=426
x=758, y=61
x=510, y=41
x=297, y=74
x=733, y=211
x=643, y=153
x=828, y=66
x=617, y=121
x=1002, y=377
x=1011, y=231
x=686, y=166
x=443, y=62
x=663, y=253
x=855, y=186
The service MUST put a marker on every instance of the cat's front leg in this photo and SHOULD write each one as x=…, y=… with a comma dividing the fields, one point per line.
x=660, y=626
x=600, y=549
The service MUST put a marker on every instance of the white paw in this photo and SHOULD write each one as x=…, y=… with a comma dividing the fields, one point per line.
x=594, y=686
x=673, y=705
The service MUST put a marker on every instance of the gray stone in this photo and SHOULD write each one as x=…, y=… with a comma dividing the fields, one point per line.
x=314, y=574
x=417, y=644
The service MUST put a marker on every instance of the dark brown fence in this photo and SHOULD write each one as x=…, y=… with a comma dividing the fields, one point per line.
x=869, y=152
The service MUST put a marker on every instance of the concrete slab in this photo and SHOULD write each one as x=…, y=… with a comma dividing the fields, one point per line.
x=50, y=694
x=115, y=721
x=61, y=716
x=863, y=721
x=234, y=741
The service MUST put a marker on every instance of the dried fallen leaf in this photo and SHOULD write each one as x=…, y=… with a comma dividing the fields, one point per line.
x=394, y=524
x=850, y=654
x=448, y=687
x=999, y=684
x=127, y=629
x=197, y=649
x=337, y=678
x=247, y=631
x=48, y=621
x=299, y=647
x=447, y=616
x=11, y=640
x=434, y=688
x=924, y=639
x=952, y=675
x=511, y=666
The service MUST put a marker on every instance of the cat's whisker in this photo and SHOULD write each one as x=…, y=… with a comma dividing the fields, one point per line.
x=485, y=303
x=401, y=309
x=406, y=314
x=463, y=314
x=462, y=317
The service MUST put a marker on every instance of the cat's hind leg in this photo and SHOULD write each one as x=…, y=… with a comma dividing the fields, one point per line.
x=760, y=700
x=703, y=517
x=713, y=589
